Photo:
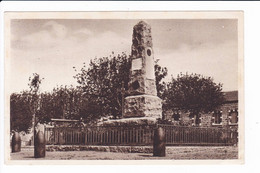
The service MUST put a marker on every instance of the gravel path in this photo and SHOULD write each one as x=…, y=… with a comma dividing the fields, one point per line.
x=173, y=153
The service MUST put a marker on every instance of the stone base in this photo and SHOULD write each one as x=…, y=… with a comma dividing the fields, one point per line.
x=142, y=106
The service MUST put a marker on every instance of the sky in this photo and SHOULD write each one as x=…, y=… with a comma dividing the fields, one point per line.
x=52, y=48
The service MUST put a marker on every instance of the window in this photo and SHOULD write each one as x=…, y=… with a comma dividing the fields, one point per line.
x=233, y=116
x=217, y=117
x=196, y=120
x=176, y=116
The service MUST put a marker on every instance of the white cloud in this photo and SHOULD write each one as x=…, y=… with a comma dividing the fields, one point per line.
x=39, y=39
x=54, y=56
x=84, y=31
x=56, y=29
x=50, y=35
x=107, y=42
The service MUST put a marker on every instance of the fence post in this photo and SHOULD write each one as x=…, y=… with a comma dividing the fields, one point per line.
x=16, y=142
x=159, y=142
x=39, y=145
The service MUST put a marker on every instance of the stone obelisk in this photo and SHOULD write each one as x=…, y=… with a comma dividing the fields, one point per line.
x=142, y=100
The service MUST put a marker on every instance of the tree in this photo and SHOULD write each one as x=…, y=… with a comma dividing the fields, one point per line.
x=104, y=82
x=102, y=88
x=62, y=103
x=34, y=85
x=193, y=93
x=25, y=105
x=160, y=74
x=20, y=111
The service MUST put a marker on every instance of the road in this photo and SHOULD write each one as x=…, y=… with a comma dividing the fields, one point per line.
x=173, y=153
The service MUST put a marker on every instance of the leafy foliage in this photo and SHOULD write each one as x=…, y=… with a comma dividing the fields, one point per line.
x=105, y=84
x=102, y=86
x=193, y=93
x=160, y=74
x=25, y=106
x=20, y=111
x=65, y=103
x=34, y=83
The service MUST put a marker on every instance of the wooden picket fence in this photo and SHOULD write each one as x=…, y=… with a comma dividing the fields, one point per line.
x=130, y=135
x=179, y=135
x=64, y=136
x=139, y=135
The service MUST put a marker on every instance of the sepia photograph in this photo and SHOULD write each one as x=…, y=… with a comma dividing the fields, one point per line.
x=91, y=86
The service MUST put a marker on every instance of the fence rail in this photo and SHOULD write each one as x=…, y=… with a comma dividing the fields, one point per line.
x=139, y=135
x=179, y=135
x=132, y=135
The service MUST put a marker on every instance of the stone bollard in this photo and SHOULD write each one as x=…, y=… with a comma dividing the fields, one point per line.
x=159, y=142
x=16, y=142
x=39, y=145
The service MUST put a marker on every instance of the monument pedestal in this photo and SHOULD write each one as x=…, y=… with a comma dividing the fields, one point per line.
x=143, y=106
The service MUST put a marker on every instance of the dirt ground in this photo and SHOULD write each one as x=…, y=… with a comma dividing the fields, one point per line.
x=173, y=153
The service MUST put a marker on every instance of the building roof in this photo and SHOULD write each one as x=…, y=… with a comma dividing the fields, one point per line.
x=231, y=96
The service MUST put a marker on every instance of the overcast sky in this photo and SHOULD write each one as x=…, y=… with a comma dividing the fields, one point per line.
x=52, y=48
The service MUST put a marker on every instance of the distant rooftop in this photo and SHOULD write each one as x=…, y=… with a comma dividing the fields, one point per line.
x=231, y=96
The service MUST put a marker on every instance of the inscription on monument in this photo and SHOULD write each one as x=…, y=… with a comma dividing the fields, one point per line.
x=137, y=64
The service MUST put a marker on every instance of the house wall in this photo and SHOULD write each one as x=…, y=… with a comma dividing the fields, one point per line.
x=225, y=112
x=185, y=119
x=206, y=119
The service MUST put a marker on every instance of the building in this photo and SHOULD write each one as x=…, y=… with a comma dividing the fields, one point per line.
x=225, y=116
